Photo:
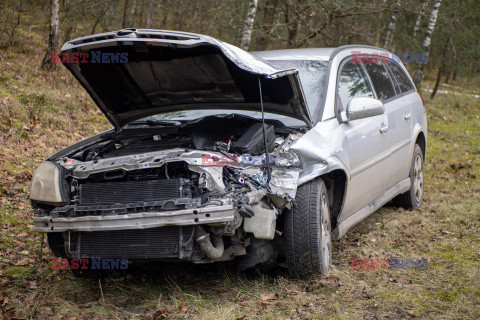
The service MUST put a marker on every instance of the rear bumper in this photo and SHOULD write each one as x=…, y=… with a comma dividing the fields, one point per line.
x=144, y=220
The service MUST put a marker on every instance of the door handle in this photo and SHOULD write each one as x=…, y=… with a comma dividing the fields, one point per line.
x=407, y=116
x=384, y=128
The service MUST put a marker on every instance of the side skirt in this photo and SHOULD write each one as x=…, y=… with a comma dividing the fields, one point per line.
x=343, y=226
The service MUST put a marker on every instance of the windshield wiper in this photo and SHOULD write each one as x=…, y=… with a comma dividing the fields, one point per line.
x=153, y=123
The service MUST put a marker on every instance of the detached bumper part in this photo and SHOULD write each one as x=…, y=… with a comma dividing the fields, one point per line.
x=205, y=215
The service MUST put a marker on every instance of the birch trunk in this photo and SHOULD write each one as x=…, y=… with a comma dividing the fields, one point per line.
x=52, y=35
x=426, y=43
x=419, y=18
x=445, y=54
x=248, y=28
x=148, y=23
x=392, y=25
x=133, y=13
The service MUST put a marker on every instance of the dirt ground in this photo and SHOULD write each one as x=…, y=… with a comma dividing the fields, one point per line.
x=41, y=112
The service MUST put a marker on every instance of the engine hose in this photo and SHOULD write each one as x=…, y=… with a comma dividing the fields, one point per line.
x=213, y=252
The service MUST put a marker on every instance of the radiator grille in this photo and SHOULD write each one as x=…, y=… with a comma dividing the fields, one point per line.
x=129, y=191
x=131, y=244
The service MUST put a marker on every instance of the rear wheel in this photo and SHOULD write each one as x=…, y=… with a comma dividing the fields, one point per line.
x=412, y=199
x=308, y=244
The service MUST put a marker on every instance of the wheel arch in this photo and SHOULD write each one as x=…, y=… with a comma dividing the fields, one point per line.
x=336, y=177
x=336, y=183
x=422, y=142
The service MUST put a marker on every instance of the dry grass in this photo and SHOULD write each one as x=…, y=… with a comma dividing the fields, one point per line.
x=42, y=112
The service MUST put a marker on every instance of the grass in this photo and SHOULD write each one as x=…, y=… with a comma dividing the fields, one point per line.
x=43, y=111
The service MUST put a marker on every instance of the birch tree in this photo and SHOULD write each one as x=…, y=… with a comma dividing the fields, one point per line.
x=426, y=43
x=445, y=59
x=248, y=28
x=419, y=18
x=52, y=35
x=392, y=25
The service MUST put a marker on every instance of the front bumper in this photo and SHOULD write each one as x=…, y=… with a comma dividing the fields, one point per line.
x=144, y=220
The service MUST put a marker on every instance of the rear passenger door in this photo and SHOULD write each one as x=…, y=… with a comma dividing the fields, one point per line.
x=397, y=111
x=400, y=114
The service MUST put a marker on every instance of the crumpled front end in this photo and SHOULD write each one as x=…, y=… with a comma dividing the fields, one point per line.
x=142, y=199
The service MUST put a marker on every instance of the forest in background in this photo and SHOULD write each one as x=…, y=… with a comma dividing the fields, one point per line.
x=448, y=30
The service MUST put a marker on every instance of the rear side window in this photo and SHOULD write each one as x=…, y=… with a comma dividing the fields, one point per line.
x=352, y=83
x=402, y=79
x=381, y=80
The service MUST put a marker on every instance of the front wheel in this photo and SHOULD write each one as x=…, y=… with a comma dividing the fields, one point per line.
x=308, y=244
x=412, y=199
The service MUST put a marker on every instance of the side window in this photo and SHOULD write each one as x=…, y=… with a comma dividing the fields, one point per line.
x=381, y=80
x=402, y=79
x=352, y=83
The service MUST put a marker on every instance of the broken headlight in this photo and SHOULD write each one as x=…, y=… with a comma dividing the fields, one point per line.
x=47, y=184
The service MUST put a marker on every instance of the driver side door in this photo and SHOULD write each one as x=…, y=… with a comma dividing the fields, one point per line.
x=367, y=141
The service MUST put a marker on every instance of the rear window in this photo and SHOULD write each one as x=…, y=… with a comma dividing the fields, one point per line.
x=402, y=79
x=381, y=80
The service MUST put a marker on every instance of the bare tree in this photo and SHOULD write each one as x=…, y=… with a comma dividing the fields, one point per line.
x=445, y=59
x=268, y=19
x=148, y=22
x=126, y=14
x=419, y=18
x=133, y=13
x=392, y=25
x=52, y=35
x=248, y=28
x=426, y=43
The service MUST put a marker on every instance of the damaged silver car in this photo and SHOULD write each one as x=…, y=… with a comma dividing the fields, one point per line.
x=218, y=154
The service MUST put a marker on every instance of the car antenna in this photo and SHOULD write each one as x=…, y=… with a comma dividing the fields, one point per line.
x=267, y=156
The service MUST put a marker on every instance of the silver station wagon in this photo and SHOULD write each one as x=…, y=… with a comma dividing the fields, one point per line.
x=219, y=154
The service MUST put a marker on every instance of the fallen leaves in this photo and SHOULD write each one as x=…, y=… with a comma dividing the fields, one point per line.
x=269, y=296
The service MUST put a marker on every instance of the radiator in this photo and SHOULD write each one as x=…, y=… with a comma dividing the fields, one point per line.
x=151, y=243
x=129, y=191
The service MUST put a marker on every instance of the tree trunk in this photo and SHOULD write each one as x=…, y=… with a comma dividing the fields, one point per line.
x=52, y=36
x=392, y=25
x=268, y=19
x=126, y=14
x=445, y=59
x=148, y=22
x=133, y=13
x=248, y=28
x=447, y=77
x=419, y=18
x=426, y=43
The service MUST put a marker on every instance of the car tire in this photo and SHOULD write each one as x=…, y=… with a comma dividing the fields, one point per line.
x=412, y=199
x=308, y=244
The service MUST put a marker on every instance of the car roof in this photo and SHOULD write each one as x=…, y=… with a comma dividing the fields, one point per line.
x=308, y=54
x=296, y=54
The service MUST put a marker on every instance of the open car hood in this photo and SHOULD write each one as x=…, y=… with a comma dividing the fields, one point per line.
x=135, y=73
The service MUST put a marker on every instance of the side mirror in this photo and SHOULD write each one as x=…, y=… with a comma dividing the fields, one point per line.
x=362, y=107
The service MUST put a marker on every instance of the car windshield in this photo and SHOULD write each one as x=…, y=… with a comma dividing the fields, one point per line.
x=312, y=77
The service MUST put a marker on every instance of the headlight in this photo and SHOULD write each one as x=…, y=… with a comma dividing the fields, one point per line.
x=47, y=184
